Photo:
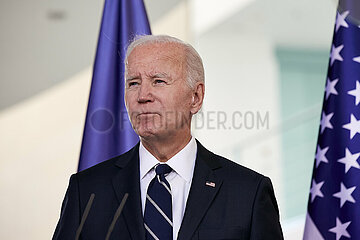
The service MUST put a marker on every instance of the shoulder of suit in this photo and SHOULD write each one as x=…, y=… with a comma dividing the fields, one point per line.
x=109, y=166
x=237, y=168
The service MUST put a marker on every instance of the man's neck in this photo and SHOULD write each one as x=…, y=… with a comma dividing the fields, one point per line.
x=164, y=150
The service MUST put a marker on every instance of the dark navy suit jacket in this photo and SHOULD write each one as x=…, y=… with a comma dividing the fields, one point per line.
x=241, y=205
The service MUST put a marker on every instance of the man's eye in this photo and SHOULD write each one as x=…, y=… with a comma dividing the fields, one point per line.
x=157, y=81
x=133, y=84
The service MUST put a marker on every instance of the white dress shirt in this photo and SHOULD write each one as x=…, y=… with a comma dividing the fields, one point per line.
x=180, y=178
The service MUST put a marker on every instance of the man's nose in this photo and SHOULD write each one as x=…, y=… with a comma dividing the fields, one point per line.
x=145, y=93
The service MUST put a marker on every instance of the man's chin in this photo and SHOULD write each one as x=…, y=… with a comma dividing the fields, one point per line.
x=146, y=133
x=152, y=134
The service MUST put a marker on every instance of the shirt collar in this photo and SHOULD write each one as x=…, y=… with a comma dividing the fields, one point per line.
x=182, y=163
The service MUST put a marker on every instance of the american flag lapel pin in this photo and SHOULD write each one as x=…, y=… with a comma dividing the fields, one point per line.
x=210, y=184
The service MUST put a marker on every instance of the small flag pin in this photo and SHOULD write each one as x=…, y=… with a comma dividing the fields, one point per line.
x=211, y=184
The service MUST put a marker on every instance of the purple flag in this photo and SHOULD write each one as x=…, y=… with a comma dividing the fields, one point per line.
x=334, y=201
x=107, y=131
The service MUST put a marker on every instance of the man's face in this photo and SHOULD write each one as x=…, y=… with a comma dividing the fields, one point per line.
x=157, y=96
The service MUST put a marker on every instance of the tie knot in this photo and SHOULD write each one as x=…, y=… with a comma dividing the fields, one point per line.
x=162, y=169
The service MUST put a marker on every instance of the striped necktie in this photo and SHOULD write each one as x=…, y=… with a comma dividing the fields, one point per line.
x=158, y=206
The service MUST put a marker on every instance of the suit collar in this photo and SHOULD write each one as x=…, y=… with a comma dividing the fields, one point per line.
x=128, y=157
x=209, y=158
x=127, y=181
x=204, y=187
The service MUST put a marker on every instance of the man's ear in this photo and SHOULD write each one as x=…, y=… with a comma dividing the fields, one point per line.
x=198, y=97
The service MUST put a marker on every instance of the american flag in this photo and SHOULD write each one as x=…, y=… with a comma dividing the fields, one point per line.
x=334, y=199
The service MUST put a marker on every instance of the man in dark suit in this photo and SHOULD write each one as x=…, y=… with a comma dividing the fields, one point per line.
x=177, y=188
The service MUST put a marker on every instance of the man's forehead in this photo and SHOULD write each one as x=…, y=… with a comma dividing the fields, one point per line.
x=156, y=55
x=165, y=49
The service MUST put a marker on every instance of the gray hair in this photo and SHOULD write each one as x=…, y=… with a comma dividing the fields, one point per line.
x=194, y=64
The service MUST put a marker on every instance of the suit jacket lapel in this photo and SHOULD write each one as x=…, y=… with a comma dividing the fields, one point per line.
x=127, y=180
x=205, y=184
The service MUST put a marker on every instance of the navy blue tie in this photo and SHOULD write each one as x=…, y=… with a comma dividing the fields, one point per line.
x=158, y=206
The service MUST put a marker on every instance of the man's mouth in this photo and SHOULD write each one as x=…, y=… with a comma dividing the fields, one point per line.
x=147, y=114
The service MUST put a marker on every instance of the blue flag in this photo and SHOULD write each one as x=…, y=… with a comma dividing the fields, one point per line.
x=107, y=131
x=334, y=200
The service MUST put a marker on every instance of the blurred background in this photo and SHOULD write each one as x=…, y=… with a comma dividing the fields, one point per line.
x=265, y=64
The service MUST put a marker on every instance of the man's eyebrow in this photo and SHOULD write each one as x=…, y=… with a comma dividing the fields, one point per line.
x=160, y=75
x=132, y=78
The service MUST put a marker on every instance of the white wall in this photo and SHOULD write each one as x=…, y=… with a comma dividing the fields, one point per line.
x=39, y=149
